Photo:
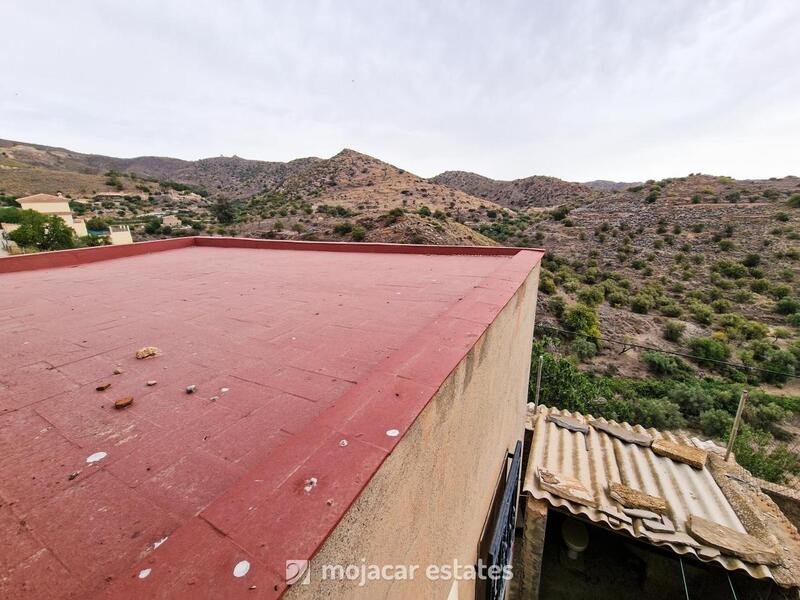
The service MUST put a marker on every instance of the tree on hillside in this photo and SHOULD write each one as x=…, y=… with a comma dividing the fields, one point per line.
x=42, y=232
x=58, y=235
x=224, y=212
x=96, y=223
x=10, y=214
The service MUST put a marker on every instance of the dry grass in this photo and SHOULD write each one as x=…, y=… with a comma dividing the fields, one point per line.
x=23, y=181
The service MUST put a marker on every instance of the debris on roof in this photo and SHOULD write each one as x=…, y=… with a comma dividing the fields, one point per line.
x=694, y=457
x=566, y=487
x=732, y=542
x=146, y=352
x=663, y=525
x=631, y=498
x=640, y=513
x=721, y=493
x=626, y=435
x=569, y=423
x=123, y=402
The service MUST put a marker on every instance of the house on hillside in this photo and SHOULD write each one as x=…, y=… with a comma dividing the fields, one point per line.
x=171, y=221
x=48, y=204
x=120, y=234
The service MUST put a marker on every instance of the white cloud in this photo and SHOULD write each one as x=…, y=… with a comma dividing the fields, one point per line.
x=581, y=90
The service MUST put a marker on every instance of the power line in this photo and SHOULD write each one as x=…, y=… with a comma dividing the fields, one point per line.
x=627, y=344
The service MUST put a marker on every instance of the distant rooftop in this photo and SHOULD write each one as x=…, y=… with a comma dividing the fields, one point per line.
x=42, y=198
x=293, y=348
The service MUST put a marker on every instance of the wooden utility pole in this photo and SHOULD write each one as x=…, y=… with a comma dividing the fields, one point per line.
x=538, y=381
x=736, y=421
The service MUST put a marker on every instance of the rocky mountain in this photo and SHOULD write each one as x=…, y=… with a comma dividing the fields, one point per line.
x=530, y=192
x=22, y=166
x=603, y=185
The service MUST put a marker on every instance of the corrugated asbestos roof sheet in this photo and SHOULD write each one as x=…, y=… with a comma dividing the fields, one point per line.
x=602, y=459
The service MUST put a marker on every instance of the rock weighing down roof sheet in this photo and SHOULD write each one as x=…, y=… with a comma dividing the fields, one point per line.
x=308, y=365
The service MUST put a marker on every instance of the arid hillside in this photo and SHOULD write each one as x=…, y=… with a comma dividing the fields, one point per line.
x=704, y=266
x=24, y=167
x=530, y=192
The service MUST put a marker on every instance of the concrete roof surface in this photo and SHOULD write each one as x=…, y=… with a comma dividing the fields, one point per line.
x=600, y=458
x=310, y=362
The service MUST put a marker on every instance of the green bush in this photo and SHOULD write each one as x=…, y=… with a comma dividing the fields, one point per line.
x=780, y=291
x=658, y=413
x=96, y=223
x=788, y=305
x=716, y=423
x=359, y=233
x=10, y=215
x=731, y=269
x=673, y=331
x=780, y=365
x=641, y=303
x=720, y=306
x=424, y=211
x=693, y=400
x=751, y=260
x=726, y=245
x=546, y=284
x=665, y=365
x=700, y=313
x=708, y=350
x=592, y=295
x=583, y=349
x=582, y=319
x=557, y=305
x=671, y=309
x=343, y=228
x=756, y=452
x=617, y=299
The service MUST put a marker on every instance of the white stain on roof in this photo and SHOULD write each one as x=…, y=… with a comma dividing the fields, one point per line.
x=241, y=568
x=144, y=573
x=393, y=433
x=95, y=457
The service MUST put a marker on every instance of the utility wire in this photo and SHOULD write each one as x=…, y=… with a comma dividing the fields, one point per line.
x=654, y=349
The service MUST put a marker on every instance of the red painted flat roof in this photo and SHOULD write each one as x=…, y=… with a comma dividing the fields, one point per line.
x=291, y=351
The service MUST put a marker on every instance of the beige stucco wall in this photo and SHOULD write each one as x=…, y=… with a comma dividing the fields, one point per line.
x=80, y=228
x=120, y=236
x=48, y=208
x=428, y=502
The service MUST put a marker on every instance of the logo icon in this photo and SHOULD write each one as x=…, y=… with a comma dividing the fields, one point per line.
x=297, y=571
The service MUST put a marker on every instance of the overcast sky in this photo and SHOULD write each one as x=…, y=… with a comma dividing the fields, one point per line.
x=580, y=89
